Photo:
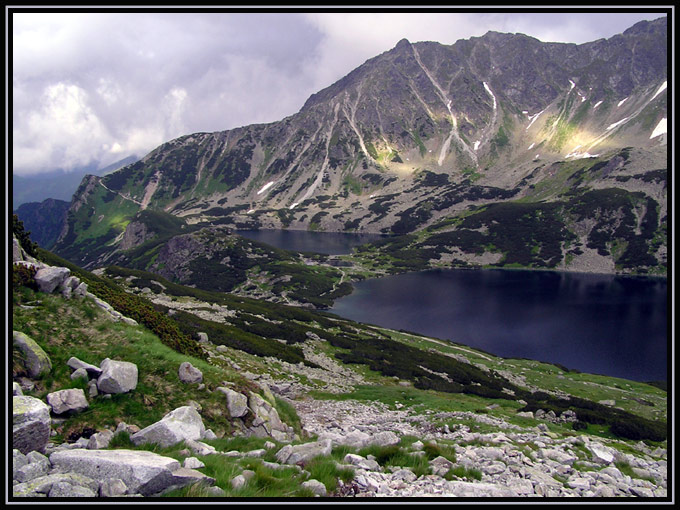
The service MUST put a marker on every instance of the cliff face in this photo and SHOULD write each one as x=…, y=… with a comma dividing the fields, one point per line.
x=492, y=114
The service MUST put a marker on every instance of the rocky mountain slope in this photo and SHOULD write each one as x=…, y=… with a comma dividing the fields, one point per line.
x=57, y=184
x=275, y=401
x=420, y=134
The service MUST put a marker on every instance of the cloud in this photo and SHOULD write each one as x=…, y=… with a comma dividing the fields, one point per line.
x=62, y=128
x=351, y=38
x=145, y=78
x=559, y=27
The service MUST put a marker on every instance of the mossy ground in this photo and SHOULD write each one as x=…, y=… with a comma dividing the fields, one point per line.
x=78, y=328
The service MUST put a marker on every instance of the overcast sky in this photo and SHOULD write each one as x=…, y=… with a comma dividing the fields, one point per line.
x=97, y=87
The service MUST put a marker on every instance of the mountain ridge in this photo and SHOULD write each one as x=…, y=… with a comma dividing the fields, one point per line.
x=480, y=113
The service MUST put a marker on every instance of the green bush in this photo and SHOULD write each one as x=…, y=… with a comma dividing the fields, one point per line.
x=24, y=276
x=579, y=425
x=23, y=236
x=639, y=430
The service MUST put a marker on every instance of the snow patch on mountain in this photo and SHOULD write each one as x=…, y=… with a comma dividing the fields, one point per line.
x=660, y=129
x=661, y=89
x=265, y=187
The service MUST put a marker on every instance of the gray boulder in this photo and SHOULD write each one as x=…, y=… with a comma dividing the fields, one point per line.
x=17, y=250
x=80, y=373
x=601, y=454
x=112, y=487
x=184, y=423
x=36, y=465
x=117, y=376
x=18, y=459
x=209, y=434
x=557, y=455
x=100, y=440
x=67, y=401
x=189, y=374
x=406, y=475
x=43, y=485
x=440, y=466
x=241, y=480
x=290, y=454
x=68, y=286
x=315, y=486
x=356, y=439
x=237, y=403
x=200, y=448
x=361, y=462
x=266, y=421
x=29, y=472
x=30, y=424
x=67, y=490
x=193, y=463
x=93, y=371
x=141, y=471
x=385, y=438
x=184, y=476
x=50, y=278
x=36, y=361
x=478, y=490
x=80, y=291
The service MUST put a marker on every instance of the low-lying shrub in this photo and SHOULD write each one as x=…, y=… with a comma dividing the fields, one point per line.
x=24, y=276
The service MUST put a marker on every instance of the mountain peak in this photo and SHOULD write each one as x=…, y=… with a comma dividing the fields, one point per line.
x=647, y=27
x=403, y=44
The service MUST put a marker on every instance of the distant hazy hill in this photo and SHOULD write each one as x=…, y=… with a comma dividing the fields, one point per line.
x=57, y=184
x=44, y=220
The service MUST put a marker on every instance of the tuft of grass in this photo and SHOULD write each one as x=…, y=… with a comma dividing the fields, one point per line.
x=432, y=451
x=243, y=444
x=288, y=415
x=463, y=473
x=627, y=470
x=326, y=471
x=395, y=455
x=121, y=440
x=339, y=452
x=222, y=469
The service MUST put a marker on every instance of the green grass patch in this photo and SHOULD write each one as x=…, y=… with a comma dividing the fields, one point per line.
x=395, y=455
x=463, y=473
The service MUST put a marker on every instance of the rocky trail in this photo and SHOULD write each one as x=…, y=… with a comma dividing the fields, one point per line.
x=513, y=463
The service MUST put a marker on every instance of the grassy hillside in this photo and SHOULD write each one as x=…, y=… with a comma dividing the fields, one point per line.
x=617, y=224
x=267, y=330
x=426, y=377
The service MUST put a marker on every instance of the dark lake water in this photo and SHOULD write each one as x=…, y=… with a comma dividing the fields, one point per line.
x=330, y=243
x=600, y=324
